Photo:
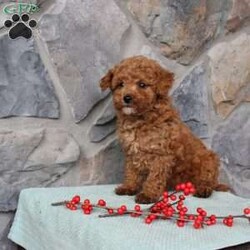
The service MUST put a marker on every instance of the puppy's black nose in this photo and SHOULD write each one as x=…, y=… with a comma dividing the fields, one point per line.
x=127, y=99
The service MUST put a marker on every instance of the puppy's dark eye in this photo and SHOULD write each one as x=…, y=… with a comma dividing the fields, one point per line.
x=120, y=85
x=142, y=85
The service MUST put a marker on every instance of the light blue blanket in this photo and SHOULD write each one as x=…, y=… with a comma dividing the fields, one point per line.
x=39, y=226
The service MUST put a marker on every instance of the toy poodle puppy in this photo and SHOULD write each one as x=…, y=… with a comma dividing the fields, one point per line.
x=160, y=150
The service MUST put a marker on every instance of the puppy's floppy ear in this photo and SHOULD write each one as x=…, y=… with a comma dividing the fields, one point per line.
x=105, y=82
x=165, y=82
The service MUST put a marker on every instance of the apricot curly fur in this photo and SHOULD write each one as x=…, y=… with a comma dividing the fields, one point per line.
x=160, y=150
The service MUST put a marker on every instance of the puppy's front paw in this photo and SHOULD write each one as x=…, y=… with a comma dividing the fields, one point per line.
x=142, y=198
x=203, y=192
x=123, y=190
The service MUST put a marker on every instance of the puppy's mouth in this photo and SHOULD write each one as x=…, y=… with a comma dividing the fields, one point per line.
x=128, y=110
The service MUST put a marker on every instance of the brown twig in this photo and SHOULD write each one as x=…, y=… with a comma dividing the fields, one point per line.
x=60, y=203
x=145, y=212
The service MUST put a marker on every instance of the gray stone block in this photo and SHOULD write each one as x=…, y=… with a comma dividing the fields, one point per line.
x=107, y=167
x=107, y=115
x=105, y=124
x=180, y=28
x=229, y=78
x=83, y=38
x=99, y=132
x=232, y=142
x=33, y=157
x=6, y=220
x=190, y=99
x=25, y=87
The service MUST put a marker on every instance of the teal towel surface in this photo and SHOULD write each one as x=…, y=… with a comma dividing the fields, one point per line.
x=39, y=226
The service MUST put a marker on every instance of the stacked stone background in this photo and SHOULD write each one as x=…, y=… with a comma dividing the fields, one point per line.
x=58, y=129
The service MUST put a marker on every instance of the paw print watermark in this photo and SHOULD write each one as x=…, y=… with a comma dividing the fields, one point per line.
x=20, y=26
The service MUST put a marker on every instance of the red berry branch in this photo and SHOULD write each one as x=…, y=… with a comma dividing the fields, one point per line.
x=169, y=207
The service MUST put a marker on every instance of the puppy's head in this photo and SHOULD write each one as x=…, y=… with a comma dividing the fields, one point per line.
x=137, y=83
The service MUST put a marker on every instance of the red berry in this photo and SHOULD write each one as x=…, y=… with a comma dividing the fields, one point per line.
x=148, y=220
x=158, y=205
x=181, y=217
x=204, y=213
x=182, y=186
x=170, y=213
x=186, y=191
x=178, y=187
x=154, y=209
x=102, y=203
x=120, y=211
x=165, y=194
x=124, y=208
x=85, y=206
x=68, y=205
x=185, y=209
x=180, y=203
x=200, y=218
x=152, y=216
x=163, y=205
x=180, y=223
x=225, y=221
x=191, y=217
x=212, y=217
x=213, y=222
x=199, y=210
x=192, y=190
x=182, y=213
x=167, y=212
x=86, y=201
x=189, y=185
x=197, y=225
x=165, y=200
x=137, y=208
x=247, y=211
x=110, y=211
x=171, y=209
x=86, y=211
x=179, y=207
x=182, y=197
x=209, y=222
x=228, y=221
x=173, y=197
x=73, y=206
x=76, y=199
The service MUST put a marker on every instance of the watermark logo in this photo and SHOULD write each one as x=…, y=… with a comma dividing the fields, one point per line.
x=20, y=24
x=20, y=8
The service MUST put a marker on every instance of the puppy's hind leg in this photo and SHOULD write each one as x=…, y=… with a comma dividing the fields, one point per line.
x=206, y=179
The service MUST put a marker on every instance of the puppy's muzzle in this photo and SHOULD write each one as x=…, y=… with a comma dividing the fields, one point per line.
x=127, y=99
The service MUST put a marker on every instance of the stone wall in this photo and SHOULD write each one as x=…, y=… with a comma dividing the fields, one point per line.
x=57, y=127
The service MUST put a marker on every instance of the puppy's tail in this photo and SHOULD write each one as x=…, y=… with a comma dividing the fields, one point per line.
x=222, y=188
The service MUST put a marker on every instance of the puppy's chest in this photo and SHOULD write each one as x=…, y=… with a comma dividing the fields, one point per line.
x=145, y=140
